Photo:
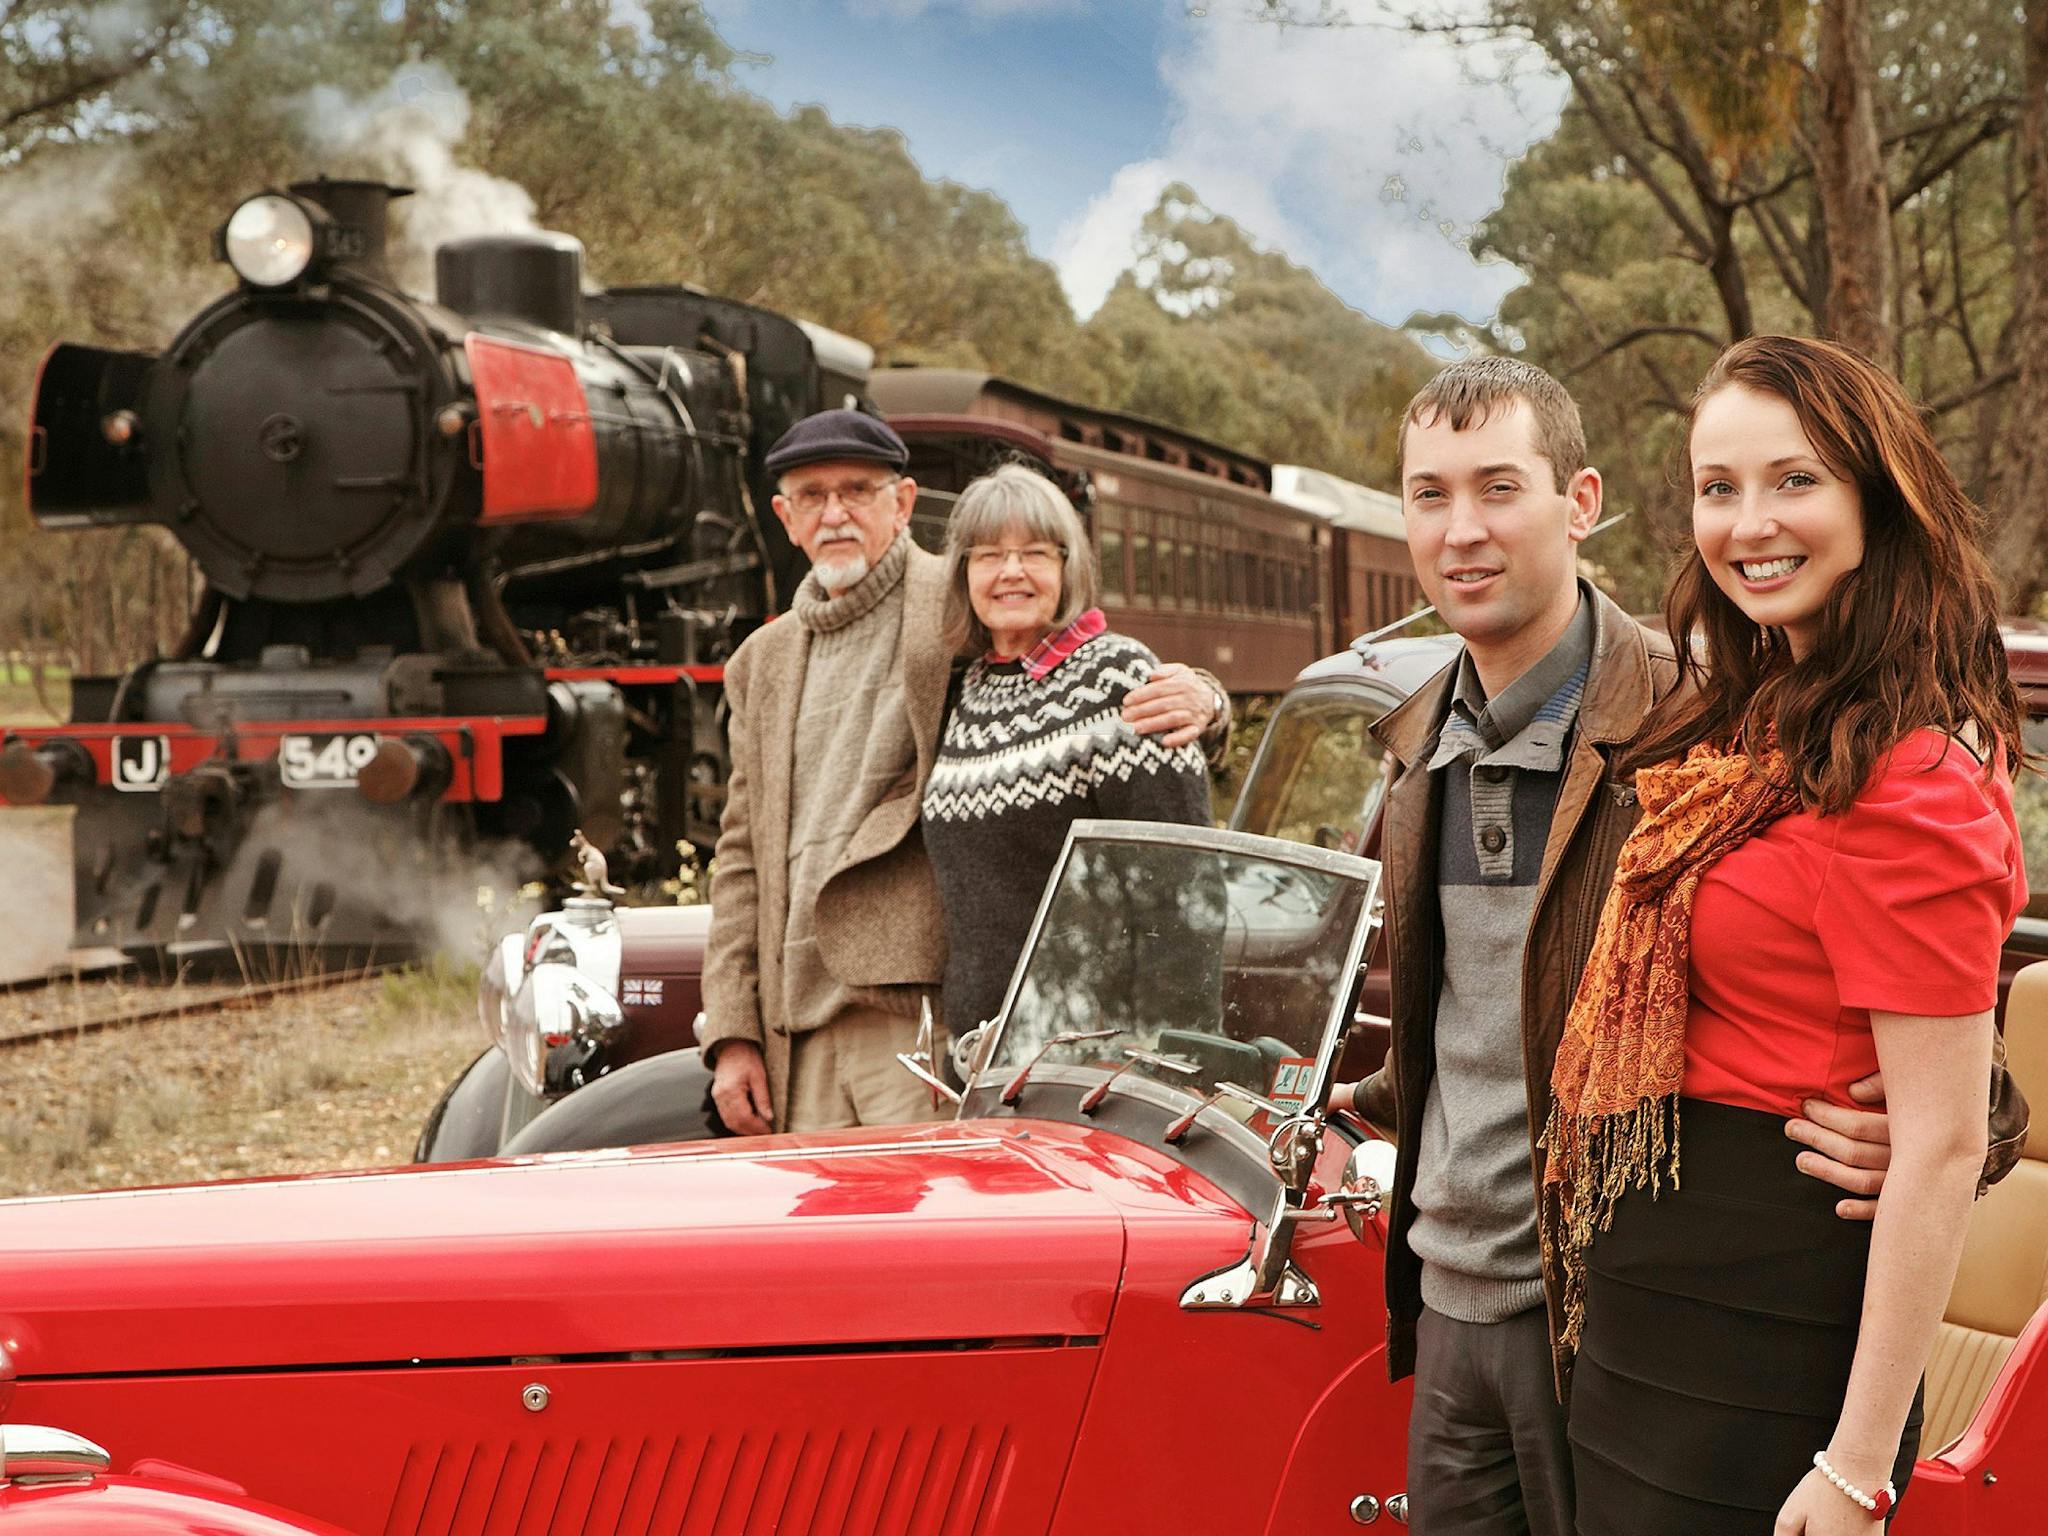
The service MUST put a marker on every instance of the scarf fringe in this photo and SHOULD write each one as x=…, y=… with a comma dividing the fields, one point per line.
x=1593, y=1161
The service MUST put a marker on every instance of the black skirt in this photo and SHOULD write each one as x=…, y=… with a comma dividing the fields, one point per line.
x=1721, y=1323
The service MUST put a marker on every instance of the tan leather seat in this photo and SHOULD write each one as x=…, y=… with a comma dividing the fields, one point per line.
x=2004, y=1276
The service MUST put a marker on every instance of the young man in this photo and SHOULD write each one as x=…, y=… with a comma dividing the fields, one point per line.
x=825, y=928
x=1500, y=835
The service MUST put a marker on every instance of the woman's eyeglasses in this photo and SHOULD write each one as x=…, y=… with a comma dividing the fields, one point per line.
x=987, y=559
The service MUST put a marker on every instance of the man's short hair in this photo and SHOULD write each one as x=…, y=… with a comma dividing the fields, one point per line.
x=1468, y=392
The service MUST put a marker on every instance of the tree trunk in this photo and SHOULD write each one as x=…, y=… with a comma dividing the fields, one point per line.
x=2022, y=511
x=1855, y=197
x=1725, y=267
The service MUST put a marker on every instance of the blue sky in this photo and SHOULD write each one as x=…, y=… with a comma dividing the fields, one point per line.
x=1364, y=154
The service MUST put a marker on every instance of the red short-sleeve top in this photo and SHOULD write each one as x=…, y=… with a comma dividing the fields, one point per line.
x=1900, y=903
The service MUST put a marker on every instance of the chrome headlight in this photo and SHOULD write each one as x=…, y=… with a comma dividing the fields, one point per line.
x=561, y=982
x=269, y=240
x=501, y=978
x=561, y=1022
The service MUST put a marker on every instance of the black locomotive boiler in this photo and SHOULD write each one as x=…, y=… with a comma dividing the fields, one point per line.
x=470, y=569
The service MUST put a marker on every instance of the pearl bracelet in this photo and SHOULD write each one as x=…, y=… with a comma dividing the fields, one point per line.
x=1879, y=1504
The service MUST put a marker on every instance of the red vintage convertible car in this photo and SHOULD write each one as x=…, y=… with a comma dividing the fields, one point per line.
x=1115, y=1293
x=1108, y=1296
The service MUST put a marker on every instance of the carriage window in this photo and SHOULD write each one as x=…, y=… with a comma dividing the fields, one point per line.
x=1141, y=565
x=1112, y=562
x=1164, y=551
x=1212, y=579
x=1190, y=584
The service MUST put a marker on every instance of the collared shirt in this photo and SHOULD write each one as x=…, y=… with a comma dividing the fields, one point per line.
x=1501, y=763
x=1057, y=646
x=1527, y=727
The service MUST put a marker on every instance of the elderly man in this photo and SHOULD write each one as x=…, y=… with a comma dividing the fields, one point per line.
x=825, y=930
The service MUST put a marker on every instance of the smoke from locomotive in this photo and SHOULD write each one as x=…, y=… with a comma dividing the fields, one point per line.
x=470, y=568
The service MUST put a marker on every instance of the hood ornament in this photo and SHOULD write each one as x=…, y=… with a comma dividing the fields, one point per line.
x=590, y=863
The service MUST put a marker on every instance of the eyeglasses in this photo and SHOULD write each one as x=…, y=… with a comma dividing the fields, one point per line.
x=988, y=559
x=855, y=496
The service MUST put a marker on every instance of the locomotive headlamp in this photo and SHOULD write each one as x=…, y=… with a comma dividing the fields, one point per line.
x=269, y=240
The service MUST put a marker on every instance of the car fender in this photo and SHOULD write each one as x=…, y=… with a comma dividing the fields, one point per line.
x=1995, y=1476
x=1351, y=1454
x=130, y=1506
x=467, y=1121
x=664, y=1098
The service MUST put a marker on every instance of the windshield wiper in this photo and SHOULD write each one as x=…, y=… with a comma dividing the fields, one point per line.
x=1092, y=1099
x=1177, y=1132
x=1014, y=1089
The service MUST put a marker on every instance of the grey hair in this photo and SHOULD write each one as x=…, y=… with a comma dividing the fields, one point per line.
x=1013, y=497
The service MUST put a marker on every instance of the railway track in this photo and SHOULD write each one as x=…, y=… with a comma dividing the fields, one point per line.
x=188, y=1000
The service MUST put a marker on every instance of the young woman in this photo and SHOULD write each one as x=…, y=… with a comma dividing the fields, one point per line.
x=1824, y=872
x=1034, y=740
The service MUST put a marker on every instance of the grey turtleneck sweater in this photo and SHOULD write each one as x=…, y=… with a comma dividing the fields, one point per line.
x=853, y=744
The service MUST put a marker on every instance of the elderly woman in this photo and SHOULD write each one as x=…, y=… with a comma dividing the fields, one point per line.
x=1034, y=740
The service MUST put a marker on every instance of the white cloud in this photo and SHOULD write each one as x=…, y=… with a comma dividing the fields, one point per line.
x=1366, y=154
x=1094, y=246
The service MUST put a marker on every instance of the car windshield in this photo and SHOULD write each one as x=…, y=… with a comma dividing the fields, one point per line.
x=1319, y=774
x=2030, y=806
x=1226, y=959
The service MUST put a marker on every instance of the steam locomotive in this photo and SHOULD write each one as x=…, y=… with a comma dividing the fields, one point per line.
x=470, y=569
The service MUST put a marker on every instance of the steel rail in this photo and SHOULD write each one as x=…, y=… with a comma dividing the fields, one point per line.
x=224, y=1002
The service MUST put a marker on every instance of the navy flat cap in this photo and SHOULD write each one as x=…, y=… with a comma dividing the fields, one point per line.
x=837, y=435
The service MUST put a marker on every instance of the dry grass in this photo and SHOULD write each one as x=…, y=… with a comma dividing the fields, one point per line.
x=309, y=1082
x=19, y=703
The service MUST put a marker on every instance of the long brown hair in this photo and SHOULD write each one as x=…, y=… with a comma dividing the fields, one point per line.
x=1906, y=640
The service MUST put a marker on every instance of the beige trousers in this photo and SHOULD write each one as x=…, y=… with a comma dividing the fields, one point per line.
x=846, y=1073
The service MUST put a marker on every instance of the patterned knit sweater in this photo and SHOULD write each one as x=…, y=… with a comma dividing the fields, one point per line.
x=1021, y=759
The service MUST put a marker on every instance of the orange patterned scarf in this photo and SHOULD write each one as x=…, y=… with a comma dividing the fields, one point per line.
x=1614, y=1111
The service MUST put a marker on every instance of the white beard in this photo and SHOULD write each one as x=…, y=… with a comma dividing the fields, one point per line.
x=841, y=565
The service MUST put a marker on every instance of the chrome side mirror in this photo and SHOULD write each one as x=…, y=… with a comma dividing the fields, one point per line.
x=1266, y=1275
x=1362, y=1192
x=967, y=1050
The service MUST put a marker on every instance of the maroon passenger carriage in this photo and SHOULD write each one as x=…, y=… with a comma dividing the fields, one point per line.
x=1209, y=555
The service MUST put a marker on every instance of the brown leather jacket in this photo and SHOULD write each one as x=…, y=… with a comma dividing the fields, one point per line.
x=1596, y=809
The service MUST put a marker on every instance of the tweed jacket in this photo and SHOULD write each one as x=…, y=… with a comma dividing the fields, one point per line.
x=1632, y=669
x=878, y=918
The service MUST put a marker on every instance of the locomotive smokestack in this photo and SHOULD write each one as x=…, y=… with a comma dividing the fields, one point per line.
x=362, y=212
x=535, y=277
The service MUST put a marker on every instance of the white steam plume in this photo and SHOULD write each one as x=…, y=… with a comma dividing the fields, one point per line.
x=407, y=131
x=455, y=902
x=35, y=898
